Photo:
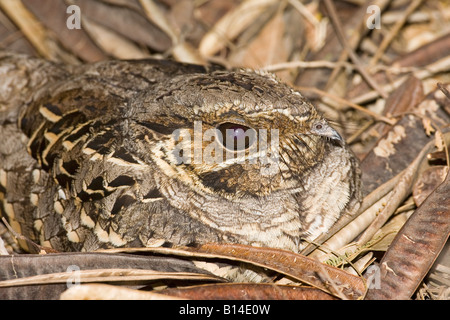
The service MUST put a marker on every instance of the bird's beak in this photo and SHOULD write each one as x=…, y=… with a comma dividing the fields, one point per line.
x=334, y=135
x=325, y=130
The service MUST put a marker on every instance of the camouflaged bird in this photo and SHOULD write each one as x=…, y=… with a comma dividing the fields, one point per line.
x=90, y=156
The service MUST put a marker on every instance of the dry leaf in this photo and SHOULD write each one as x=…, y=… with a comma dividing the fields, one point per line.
x=54, y=17
x=32, y=28
x=130, y=23
x=269, y=47
x=108, y=292
x=305, y=269
x=427, y=182
x=113, y=43
x=231, y=25
x=246, y=291
x=105, y=275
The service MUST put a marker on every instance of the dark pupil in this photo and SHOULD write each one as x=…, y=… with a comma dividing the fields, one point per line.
x=236, y=137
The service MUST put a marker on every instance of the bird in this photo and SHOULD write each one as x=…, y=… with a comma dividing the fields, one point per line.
x=150, y=153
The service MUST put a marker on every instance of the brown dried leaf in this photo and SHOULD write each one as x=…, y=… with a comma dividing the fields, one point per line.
x=105, y=275
x=426, y=54
x=258, y=53
x=129, y=23
x=393, y=153
x=399, y=193
x=52, y=14
x=209, y=12
x=401, y=100
x=247, y=291
x=415, y=248
x=302, y=268
x=294, y=265
x=21, y=266
x=113, y=43
x=34, y=31
x=181, y=50
x=231, y=25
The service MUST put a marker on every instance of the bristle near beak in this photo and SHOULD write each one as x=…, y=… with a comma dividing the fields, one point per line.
x=321, y=128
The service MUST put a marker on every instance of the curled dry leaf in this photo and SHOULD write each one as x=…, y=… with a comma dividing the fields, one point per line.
x=299, y=267
x=106, y=275
x=28, y=276
x=247, y=291
x=293, y=265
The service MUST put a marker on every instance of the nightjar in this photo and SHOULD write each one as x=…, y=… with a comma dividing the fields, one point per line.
x=154, y=152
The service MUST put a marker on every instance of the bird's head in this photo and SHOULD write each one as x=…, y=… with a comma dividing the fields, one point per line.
x=241, y=133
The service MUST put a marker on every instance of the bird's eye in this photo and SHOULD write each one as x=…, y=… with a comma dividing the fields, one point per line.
x=235, y=137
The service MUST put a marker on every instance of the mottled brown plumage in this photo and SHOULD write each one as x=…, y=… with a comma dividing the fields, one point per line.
x=91, y=157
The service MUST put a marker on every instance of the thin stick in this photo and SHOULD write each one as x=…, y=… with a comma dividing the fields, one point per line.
x=439, y=66
x=394, y=31
x=331, y=240
x=36, y=247
x=354, y=40
x=306, y=64
x=327, y=279
x=340, y=34
x=360, y=131
x=29, y=25
x=181, y=50
x=349, y=103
